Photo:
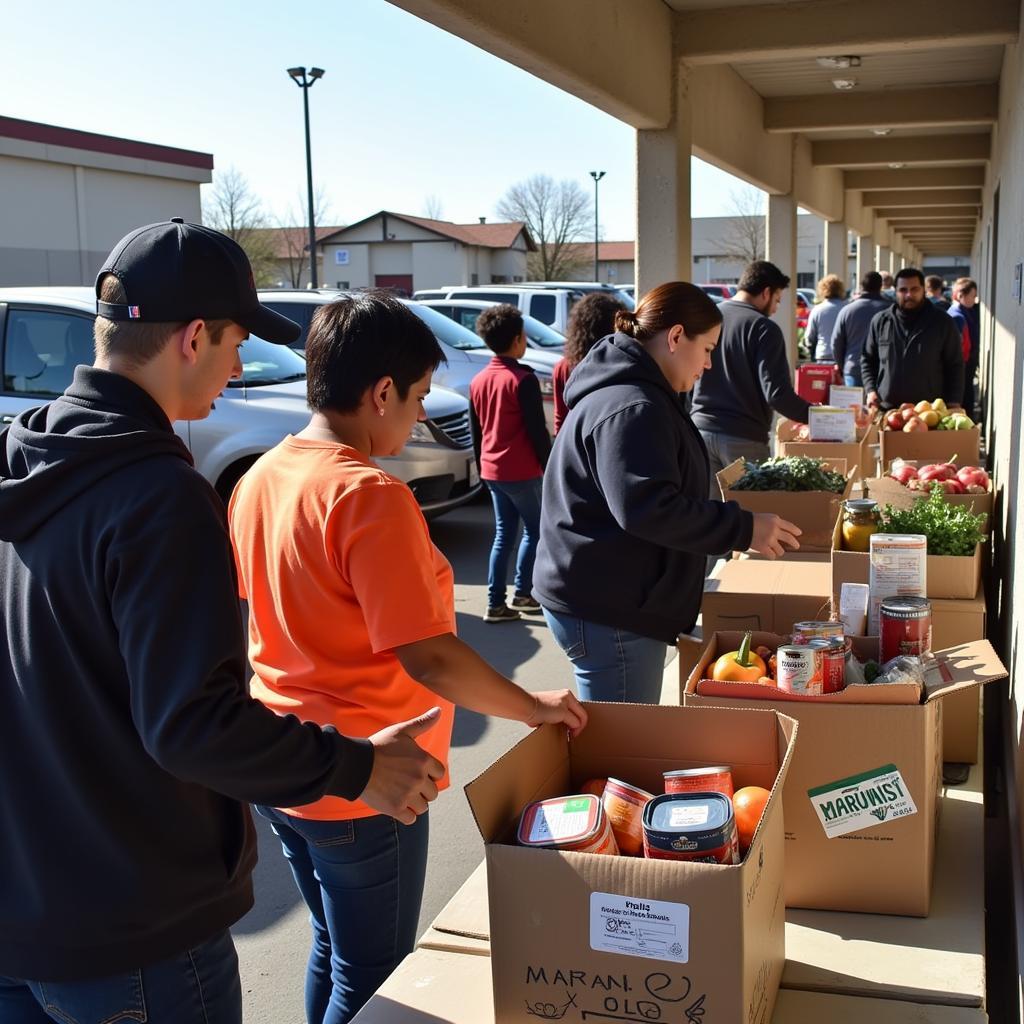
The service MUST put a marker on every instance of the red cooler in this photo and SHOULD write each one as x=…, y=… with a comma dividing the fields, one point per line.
x=813, y=381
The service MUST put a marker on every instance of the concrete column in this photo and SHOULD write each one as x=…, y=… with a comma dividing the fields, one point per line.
x=883, y=259
x=664, y=234
x=893, y=264
x=781, y=244
x=865, y=256
x=835, y=248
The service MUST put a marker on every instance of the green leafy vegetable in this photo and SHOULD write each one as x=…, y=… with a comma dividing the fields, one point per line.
x=872, y=670
x=950, y=529
x=793, y=473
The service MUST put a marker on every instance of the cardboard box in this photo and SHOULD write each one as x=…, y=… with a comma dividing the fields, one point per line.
x=887, y=491
x=813, y=511
x=765, y=595
x=931, y=446
x=884, y=864
x=710, y=934
x=859, y=456
x=953, y=577
x=432, y=987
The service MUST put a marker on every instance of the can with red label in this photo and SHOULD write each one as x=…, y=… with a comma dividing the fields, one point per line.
x=624, y=804
x=700, y=780
x=692, y=827
x=905, y=627
x=816, y=629
x=833, y=670
x=576, y=823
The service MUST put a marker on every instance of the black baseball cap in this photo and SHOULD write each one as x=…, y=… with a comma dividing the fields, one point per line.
x=174, y=272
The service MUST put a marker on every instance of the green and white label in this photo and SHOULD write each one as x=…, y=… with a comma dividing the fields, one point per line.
x=862, y=801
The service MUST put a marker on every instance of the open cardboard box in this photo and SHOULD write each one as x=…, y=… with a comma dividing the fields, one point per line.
x=765, y=595
x=622, y=936
x=859, y=456
x=887, y=491
x=813, y=511
x=954, y=577
x=931, y=445
x=861, y=798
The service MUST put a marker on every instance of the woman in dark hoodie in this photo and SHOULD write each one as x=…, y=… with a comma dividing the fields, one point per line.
x=626, y=524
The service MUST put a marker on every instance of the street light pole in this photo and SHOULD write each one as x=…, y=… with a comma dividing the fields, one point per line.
x=305, y=83
x=597, y=176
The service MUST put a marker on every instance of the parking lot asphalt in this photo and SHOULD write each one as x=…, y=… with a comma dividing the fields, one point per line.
x=273, y=939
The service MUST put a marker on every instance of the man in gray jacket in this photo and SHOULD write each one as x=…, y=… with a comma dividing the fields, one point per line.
x=852, y=323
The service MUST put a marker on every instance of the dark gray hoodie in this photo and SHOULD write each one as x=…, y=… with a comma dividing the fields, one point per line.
x=626, y=523
x=127, y=739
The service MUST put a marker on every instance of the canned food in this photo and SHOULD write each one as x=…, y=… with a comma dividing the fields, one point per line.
x=700, y=780
x=814, y=629
x=624, y=805
x=800, y=668
x=693, y=827
x=577, y=823
x=905, y=627
x=833, y=674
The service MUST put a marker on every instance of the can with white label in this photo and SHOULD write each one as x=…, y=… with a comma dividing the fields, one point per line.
x=800, y=668
x=693, y=827
x=577, y=823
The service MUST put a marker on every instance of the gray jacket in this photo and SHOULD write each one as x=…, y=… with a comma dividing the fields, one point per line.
x=851, y=331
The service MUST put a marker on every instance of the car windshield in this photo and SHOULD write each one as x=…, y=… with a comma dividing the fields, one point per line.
x=447, y=331
x=265, y=363
x=541, y=334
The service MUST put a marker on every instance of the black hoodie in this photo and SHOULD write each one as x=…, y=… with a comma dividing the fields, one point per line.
x=626, y=523
x=127, y=737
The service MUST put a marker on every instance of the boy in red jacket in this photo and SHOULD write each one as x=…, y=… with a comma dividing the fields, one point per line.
x=512, y=438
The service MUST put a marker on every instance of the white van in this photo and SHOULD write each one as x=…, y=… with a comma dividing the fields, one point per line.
x=550, y=306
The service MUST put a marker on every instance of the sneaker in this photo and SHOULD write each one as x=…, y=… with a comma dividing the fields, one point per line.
x=525, y=603
x=501, y=614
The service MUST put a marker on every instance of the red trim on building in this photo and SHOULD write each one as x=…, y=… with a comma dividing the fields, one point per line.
x=51, y=135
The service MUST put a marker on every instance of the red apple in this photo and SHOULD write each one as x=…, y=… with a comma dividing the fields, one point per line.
x=894, y=420
x=914, y=424
x=907, y=407
x=975, y=489
x=908, y=414
x=952, y=486
x=904, y=474
x=938, y=471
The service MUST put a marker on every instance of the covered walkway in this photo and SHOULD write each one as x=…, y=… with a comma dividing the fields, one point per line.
x=903, y=124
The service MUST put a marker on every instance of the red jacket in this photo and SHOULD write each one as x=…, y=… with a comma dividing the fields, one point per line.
x=508, y=420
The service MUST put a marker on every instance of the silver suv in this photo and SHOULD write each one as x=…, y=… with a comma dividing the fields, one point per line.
x=46, y=332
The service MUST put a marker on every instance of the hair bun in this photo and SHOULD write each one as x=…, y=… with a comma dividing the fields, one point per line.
x=625, y=321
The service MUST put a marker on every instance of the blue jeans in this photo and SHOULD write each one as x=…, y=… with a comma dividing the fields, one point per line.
x=610, y=664
x=513, y=501
x=198, y=986
x=851, y=381
x=362, y=880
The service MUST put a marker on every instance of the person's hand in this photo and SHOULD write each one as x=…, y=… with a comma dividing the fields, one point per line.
x=873, y=402
x=558, y=707
x=773, y=534
x=404, y=776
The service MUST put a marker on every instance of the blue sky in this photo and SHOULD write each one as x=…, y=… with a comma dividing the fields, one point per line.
x=405, y=111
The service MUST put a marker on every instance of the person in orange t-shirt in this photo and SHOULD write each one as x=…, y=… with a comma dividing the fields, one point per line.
x=352, y=624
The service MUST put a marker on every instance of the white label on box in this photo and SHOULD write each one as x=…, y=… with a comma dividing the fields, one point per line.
x=830, y=424
x=862, y=801
x=844, y=397
x=634, y=926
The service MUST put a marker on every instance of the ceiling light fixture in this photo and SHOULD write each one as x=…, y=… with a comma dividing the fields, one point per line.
x=838, y=63
x=881, y=131
x=844, y=84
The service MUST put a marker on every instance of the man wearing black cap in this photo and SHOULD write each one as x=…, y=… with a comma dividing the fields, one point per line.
x=127, y=738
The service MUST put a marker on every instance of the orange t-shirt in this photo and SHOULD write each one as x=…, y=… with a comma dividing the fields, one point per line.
x=337, y=564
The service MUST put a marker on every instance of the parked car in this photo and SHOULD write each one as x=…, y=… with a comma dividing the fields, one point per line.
x=720, y=292
x=46, y=332
x=464, y=352
x=545, y=345
x=550, y=306
x=809, y=294
x=586, y=287
x=803, y=310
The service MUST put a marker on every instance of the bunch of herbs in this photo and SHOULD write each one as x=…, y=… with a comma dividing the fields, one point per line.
x=793, y=473
x=950, y=529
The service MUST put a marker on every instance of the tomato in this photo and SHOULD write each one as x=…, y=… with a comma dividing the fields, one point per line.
x=748, y=805
x=595, y=786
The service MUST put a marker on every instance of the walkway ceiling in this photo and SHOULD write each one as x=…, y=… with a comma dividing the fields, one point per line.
x=905, y=136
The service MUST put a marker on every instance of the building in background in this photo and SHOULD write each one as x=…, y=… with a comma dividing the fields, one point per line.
x=396, y=250
x=66, y=197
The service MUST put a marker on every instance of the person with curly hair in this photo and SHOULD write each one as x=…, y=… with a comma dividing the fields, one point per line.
x=822, y=320
x=591, y=319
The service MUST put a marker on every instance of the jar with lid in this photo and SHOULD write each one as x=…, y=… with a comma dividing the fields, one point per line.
x=860, y=521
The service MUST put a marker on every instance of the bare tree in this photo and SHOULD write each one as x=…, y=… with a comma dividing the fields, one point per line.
x=433, y=207
x=743, y=240
x=233, y=208
x=294, y=233
x=558, y=214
